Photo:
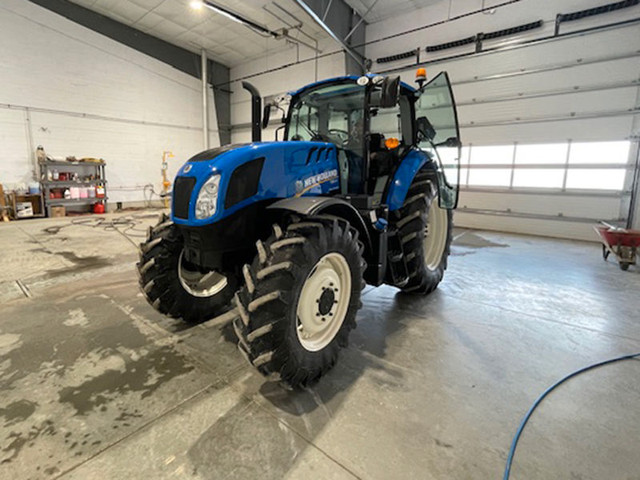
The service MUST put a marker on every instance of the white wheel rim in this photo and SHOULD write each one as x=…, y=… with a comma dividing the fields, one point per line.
x=435, y=236
x=323, y=302
x=200, y=284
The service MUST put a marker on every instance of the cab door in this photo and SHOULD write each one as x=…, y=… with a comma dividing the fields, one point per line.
x=436, y=123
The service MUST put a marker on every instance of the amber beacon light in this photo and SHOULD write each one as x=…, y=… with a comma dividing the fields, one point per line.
x=421, y=76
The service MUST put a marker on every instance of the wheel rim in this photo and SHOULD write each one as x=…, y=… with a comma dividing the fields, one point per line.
x=435, y=237
x=323, y=302
x=200, y=284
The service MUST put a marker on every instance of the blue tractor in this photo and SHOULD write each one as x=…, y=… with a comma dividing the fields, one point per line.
x=291, y=231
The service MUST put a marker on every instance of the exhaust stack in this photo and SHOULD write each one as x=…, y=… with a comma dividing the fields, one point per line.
x=256, y=111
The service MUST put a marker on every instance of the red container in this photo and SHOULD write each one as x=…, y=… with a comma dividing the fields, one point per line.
x=98, y=208
x=623, y=238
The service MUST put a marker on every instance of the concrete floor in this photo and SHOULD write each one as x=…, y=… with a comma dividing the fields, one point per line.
x=96, y=384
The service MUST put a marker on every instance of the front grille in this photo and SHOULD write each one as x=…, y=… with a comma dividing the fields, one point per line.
x=244, y=182
x=182, y=188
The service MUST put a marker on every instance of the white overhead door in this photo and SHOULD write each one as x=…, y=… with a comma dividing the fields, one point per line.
x=550, y=127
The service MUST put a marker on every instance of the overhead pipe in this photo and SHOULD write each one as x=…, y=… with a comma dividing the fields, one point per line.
x=352, y=53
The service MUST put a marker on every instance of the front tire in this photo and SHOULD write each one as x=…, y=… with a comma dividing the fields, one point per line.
x=300, y=299
x=175, y=288
x=425, y=234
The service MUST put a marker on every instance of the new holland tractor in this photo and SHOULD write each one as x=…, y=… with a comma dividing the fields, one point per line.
x=291, y=231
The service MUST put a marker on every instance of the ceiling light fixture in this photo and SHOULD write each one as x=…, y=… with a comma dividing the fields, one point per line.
x=198, y=4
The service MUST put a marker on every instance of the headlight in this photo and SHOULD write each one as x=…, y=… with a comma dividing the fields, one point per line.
x=208, y=198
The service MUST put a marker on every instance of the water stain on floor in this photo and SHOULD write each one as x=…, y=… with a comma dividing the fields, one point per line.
x=17, y=411
x=247, y=442
x=17, y=440
x=80, y=264
x=467, y=243
x=144, y=375
x=473, y=240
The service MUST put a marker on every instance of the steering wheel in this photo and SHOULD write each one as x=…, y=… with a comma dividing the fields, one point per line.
x=341, y=135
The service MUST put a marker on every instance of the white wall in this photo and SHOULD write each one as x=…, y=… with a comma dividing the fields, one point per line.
x=87, y=95
x=508, y=121
x=278, y=82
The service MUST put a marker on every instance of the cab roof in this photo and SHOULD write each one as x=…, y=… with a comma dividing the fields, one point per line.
x=340, y=79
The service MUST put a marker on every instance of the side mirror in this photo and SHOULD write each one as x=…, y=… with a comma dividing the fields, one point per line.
x=266, y=113
x=424, y=129
x=390, y=92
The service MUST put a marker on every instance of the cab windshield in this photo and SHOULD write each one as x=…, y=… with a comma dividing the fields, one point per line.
x=330, y=113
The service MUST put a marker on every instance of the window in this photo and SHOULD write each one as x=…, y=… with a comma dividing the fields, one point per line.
x=599, y=152
x=610, y=153
x=502, y=154
x=481, y=157
x=556, y=165
x=329, y=113
x=464, y=162
x=542, y=154
x=304, y=123
x=538, y=177
x=555, y=153
x=596, y=178
x=387, y=122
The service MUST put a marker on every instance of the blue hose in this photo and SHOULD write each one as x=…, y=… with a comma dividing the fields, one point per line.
x=514, y=443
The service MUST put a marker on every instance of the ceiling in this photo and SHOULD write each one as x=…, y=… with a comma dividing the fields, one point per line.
x=385, y=9
x=225, y=41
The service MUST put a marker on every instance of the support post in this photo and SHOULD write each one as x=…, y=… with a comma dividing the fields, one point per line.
x=205, y=99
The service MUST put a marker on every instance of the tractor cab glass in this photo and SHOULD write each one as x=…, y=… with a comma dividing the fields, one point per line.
x=436, y=130
x=330, y=113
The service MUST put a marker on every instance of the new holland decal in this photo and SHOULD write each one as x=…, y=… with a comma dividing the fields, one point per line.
x=303, y=186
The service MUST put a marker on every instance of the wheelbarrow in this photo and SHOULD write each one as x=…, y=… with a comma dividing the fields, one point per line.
x=619, y=241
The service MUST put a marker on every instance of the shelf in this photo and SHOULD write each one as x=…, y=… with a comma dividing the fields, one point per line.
x=52, y=202
x=35, y=215
x=64, y=163
x=64, y=183
x=25, y=195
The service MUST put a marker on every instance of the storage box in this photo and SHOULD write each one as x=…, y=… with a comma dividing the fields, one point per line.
x=58, y=211
x=24, y=209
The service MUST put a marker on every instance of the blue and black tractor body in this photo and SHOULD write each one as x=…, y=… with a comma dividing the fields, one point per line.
x=360, y=191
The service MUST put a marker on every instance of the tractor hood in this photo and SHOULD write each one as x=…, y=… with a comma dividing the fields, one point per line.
x=254, y=172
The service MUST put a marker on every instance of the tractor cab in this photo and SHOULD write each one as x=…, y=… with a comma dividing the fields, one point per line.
x=374, y=122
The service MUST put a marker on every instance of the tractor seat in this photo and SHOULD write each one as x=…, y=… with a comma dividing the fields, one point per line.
x=381, y=159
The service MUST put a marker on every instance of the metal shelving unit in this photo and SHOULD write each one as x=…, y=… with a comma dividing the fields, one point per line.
x=95, y=169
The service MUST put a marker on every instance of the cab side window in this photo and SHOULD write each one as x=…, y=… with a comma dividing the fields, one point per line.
x=386, y=121
x=304, y=122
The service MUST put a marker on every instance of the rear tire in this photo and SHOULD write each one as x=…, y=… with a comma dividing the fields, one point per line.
x=425, y=234
x=164, y=278
x=300, y=299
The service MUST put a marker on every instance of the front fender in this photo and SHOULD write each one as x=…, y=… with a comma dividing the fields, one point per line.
x=308, y=206
x=399, y=187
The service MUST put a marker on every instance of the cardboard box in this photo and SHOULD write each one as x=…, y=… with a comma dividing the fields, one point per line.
x=24, y=209
x=58, y=211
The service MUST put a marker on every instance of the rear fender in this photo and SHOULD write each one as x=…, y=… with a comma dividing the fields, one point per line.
x=404, y=175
